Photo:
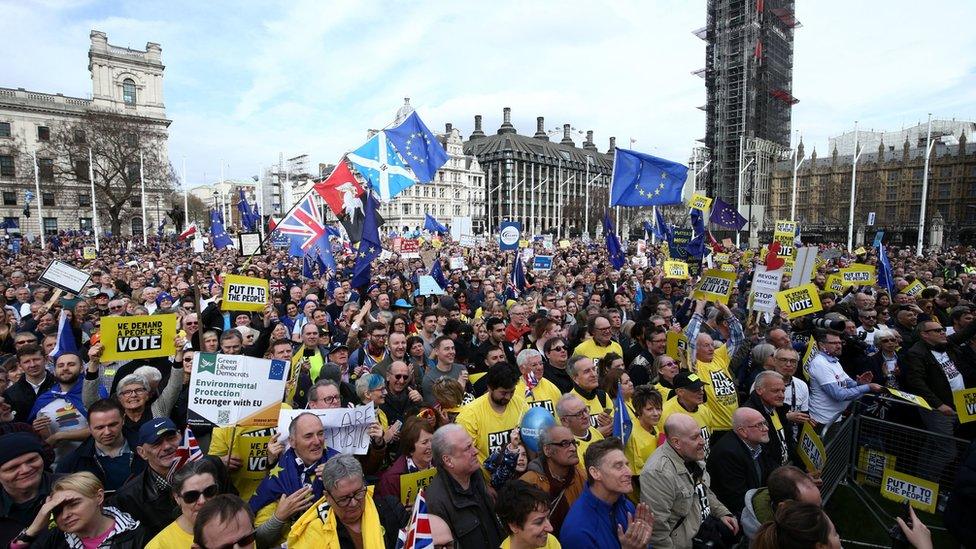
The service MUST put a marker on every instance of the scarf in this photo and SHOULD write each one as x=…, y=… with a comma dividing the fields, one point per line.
x=287, y=477
x=317, y=528
x=72, y=397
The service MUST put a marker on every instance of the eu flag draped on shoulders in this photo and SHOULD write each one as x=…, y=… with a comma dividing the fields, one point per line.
x=433, y=225
x=418, y=146
x=724, y=215
x=369, y=246
x=616, y=253
x=381, y=165
x=217, y=233
x=643, y=180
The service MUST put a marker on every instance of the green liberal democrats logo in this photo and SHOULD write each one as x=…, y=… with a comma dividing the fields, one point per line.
x=208, y=363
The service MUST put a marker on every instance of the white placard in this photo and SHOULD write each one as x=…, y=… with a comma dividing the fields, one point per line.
x=806, y=261
x=345, y=428
x=228, y=390
x=765, y=285
x=457, y=264
x=62, y=275
x=467, y=241
x=249, y=244
x=198, y=245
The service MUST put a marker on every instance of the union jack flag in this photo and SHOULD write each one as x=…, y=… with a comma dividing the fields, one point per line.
x=417, y=533
x=189, y=450
x=302, y=226
x=530, y=383
x=277, y=286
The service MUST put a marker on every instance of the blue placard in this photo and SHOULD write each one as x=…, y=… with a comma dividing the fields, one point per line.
x=542, y=263
x=510, y=234
x=15, y=245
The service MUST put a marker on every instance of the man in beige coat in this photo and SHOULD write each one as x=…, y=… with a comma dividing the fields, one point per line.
x=675, y=485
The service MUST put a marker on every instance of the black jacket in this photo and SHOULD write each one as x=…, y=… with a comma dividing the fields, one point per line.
x=469, y=512
x=21, y=396
x=558, y=376
x=11, y=521
x=958, y=513
x=130, y=535
x=772, y=452
x=924, y=376
x=733, y=472
x=83, y=458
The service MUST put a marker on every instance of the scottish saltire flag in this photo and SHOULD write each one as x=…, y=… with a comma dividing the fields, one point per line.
x=416, y=535
x=188, y=450
x=218, y=236
x=419, y=147
x=66, y=338
x=369, y=245
x=616, y=253
x=885, y=274
x=724, y=215
x=432, y=225
x=379, y=163
x=516, y=281
x=303, y=227
x=643, y=180
x=622, y=423
x=437, y=273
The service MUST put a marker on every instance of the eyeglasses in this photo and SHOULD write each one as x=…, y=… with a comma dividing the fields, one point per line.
x=566, y=443
x=789, y=360
x=557, y=348
x=938, y=330
x=332, y=398
x=448, y=545
x=191, y=496
x=242, y=542
x=351, y=499
x=188, y=359
x=132, y=392
x=581, y=414
x=762, y=426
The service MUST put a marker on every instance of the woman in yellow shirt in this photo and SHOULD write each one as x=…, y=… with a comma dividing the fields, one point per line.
x=192, y=486
x=644, y=437
x=524, y=510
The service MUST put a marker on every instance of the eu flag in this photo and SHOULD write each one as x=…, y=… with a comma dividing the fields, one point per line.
x=648, y=228
x=723, y=214
x=623, y=425
x=217, y=233
x=643, y=180
x=663, y=230
x=369, y=245
x=418, y=147
x=437, y=272
x=613, y=245
x=516, y=281
x=433, y=225
x=885, y=274
x=245, y=210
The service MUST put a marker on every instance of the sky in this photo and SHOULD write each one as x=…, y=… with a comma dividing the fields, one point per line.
x=245, y=81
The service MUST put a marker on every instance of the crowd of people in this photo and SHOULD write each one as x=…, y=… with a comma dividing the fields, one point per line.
x=709, y=458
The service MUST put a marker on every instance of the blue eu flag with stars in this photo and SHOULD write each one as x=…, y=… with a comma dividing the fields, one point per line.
x=614, y=250
x=723, y=214
x=369, y=245
x=418, y=147
x=643, y=180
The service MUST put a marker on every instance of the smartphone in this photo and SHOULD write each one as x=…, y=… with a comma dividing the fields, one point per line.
x=898, y=539
x=308, y=353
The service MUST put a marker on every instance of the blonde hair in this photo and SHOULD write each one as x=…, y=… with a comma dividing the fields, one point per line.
x=84, y=483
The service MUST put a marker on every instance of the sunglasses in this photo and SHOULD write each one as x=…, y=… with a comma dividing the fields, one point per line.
x=242, y=542
x=400, y=377
x=191, y=496
x=557, y=348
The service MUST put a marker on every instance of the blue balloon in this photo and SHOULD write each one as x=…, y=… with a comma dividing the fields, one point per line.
x=533, y=423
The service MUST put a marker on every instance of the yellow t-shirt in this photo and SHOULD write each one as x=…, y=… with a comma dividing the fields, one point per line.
x=594, y=405
x=172, y=537
x=590, y=349
x=551, y=543
x=545, y=395
x=703, y=416
x=490, y=430
x=722, y=399
x=585, y=442
x=640, y=446
x=779, y=432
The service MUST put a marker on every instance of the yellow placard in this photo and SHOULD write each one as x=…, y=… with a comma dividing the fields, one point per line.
x=253, y=451
x=132, y=337
x=807, y=355
x=244, y=293
x=913, y=289
x=908, y=397
x=665, y=249
x=721, y=258
x=727, y=267
x=858, y=274
x=412, y=483
x=523, y=243
x=835, y=284
x=921, y=494
x=811, y=449
x=677, y=345
x=88, y=252
x=871, y=465
x=676, y=269
x=860, y=251
x=700, y=202
x=965, y=402
x=715, y=285
x=785, y=227
x=800, y=301
x=747, y=256
x=564, y=244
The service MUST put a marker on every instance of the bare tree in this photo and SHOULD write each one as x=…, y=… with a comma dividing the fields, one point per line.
x=115, y=142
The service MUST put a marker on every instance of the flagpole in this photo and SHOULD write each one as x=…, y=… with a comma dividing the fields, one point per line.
x=925, y=190
x=586, y=193
x=738, y=191
x=142, y=184
x=850, y=221
x=796, y=166
x=91, y=179
x=186, y=198
x=37, y=189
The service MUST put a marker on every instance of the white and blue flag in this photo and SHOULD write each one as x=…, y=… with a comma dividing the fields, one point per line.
x=380, y=164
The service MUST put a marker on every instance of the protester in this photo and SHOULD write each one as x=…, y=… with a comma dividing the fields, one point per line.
x=557, y=471
x=106, y=453
x=25, y=483
x=224, y=521
x=785, y=484
x=192, y=486
x=524, y=510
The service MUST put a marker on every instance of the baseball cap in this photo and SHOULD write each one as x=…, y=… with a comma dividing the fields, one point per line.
x=337, y=346
x=687, y=380
x=402, y=304
x=155, y=429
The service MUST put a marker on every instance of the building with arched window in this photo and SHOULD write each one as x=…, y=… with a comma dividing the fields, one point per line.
x=125, y=81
